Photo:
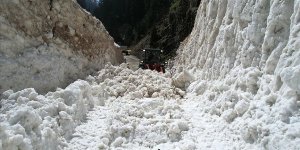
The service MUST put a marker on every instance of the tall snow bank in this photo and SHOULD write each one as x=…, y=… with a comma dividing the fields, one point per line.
x=245, y=55
x=46, y=44
x=33, y=121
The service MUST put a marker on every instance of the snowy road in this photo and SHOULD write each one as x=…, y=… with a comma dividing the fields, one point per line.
x=88, y=135
x=137, y=110
x=235, y=86
x=145, y=111
x=149, y=123
x=157, y=124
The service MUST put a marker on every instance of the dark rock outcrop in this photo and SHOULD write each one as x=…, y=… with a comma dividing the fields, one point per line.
x=144, y=23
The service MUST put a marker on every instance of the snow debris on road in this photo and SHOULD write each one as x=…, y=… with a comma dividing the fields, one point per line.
x=124, y=109
x=119, y=81
x=141, y=111
x=235, y=85
x=33, y=121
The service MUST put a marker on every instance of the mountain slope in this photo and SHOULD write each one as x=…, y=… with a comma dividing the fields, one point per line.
x=157, y=24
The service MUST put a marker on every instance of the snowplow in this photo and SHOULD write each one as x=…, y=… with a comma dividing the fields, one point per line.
x=151, y=59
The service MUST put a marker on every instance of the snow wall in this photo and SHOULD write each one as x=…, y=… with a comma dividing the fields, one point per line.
x=48, y=43
x=246, y=56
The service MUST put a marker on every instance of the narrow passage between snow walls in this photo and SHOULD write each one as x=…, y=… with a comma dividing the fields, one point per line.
x=124, y=109
x=129, y=109
x=144, y=110
x=236, y=86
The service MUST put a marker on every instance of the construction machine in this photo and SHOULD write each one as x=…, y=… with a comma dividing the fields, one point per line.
x=151, y=59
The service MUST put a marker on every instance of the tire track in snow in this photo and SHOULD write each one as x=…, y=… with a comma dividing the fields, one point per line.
x=87, y=135
x=148, y=123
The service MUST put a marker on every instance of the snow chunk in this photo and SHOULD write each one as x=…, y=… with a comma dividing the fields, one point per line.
x=183, y=79
x=241, y=107
x=118, y=142
x=291, y=77
x=229, y=115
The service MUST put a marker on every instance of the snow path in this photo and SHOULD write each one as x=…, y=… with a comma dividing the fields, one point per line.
x=86, y=135
x=203, y=131
x=211, y=131
x=139, y=124
x=124, y=109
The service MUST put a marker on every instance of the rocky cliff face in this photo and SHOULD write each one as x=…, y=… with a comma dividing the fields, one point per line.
x=249, y=52
x=174, y=28
x=48, y=43
x=143, y=23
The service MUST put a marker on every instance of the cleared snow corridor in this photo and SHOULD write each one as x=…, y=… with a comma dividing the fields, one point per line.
x=235, y=85
x=124, y=109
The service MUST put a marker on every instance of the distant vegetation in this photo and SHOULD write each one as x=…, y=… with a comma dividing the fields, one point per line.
x=175, y=5
x=146, y=23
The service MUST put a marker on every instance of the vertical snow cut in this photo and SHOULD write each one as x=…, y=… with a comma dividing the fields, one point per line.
x=246, y=58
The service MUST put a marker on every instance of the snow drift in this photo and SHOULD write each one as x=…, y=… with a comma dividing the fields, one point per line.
x=46, y=44
x=245, y=55
x=33, y=121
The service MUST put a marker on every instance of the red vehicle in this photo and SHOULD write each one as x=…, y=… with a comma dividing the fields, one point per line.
x=151, y=59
